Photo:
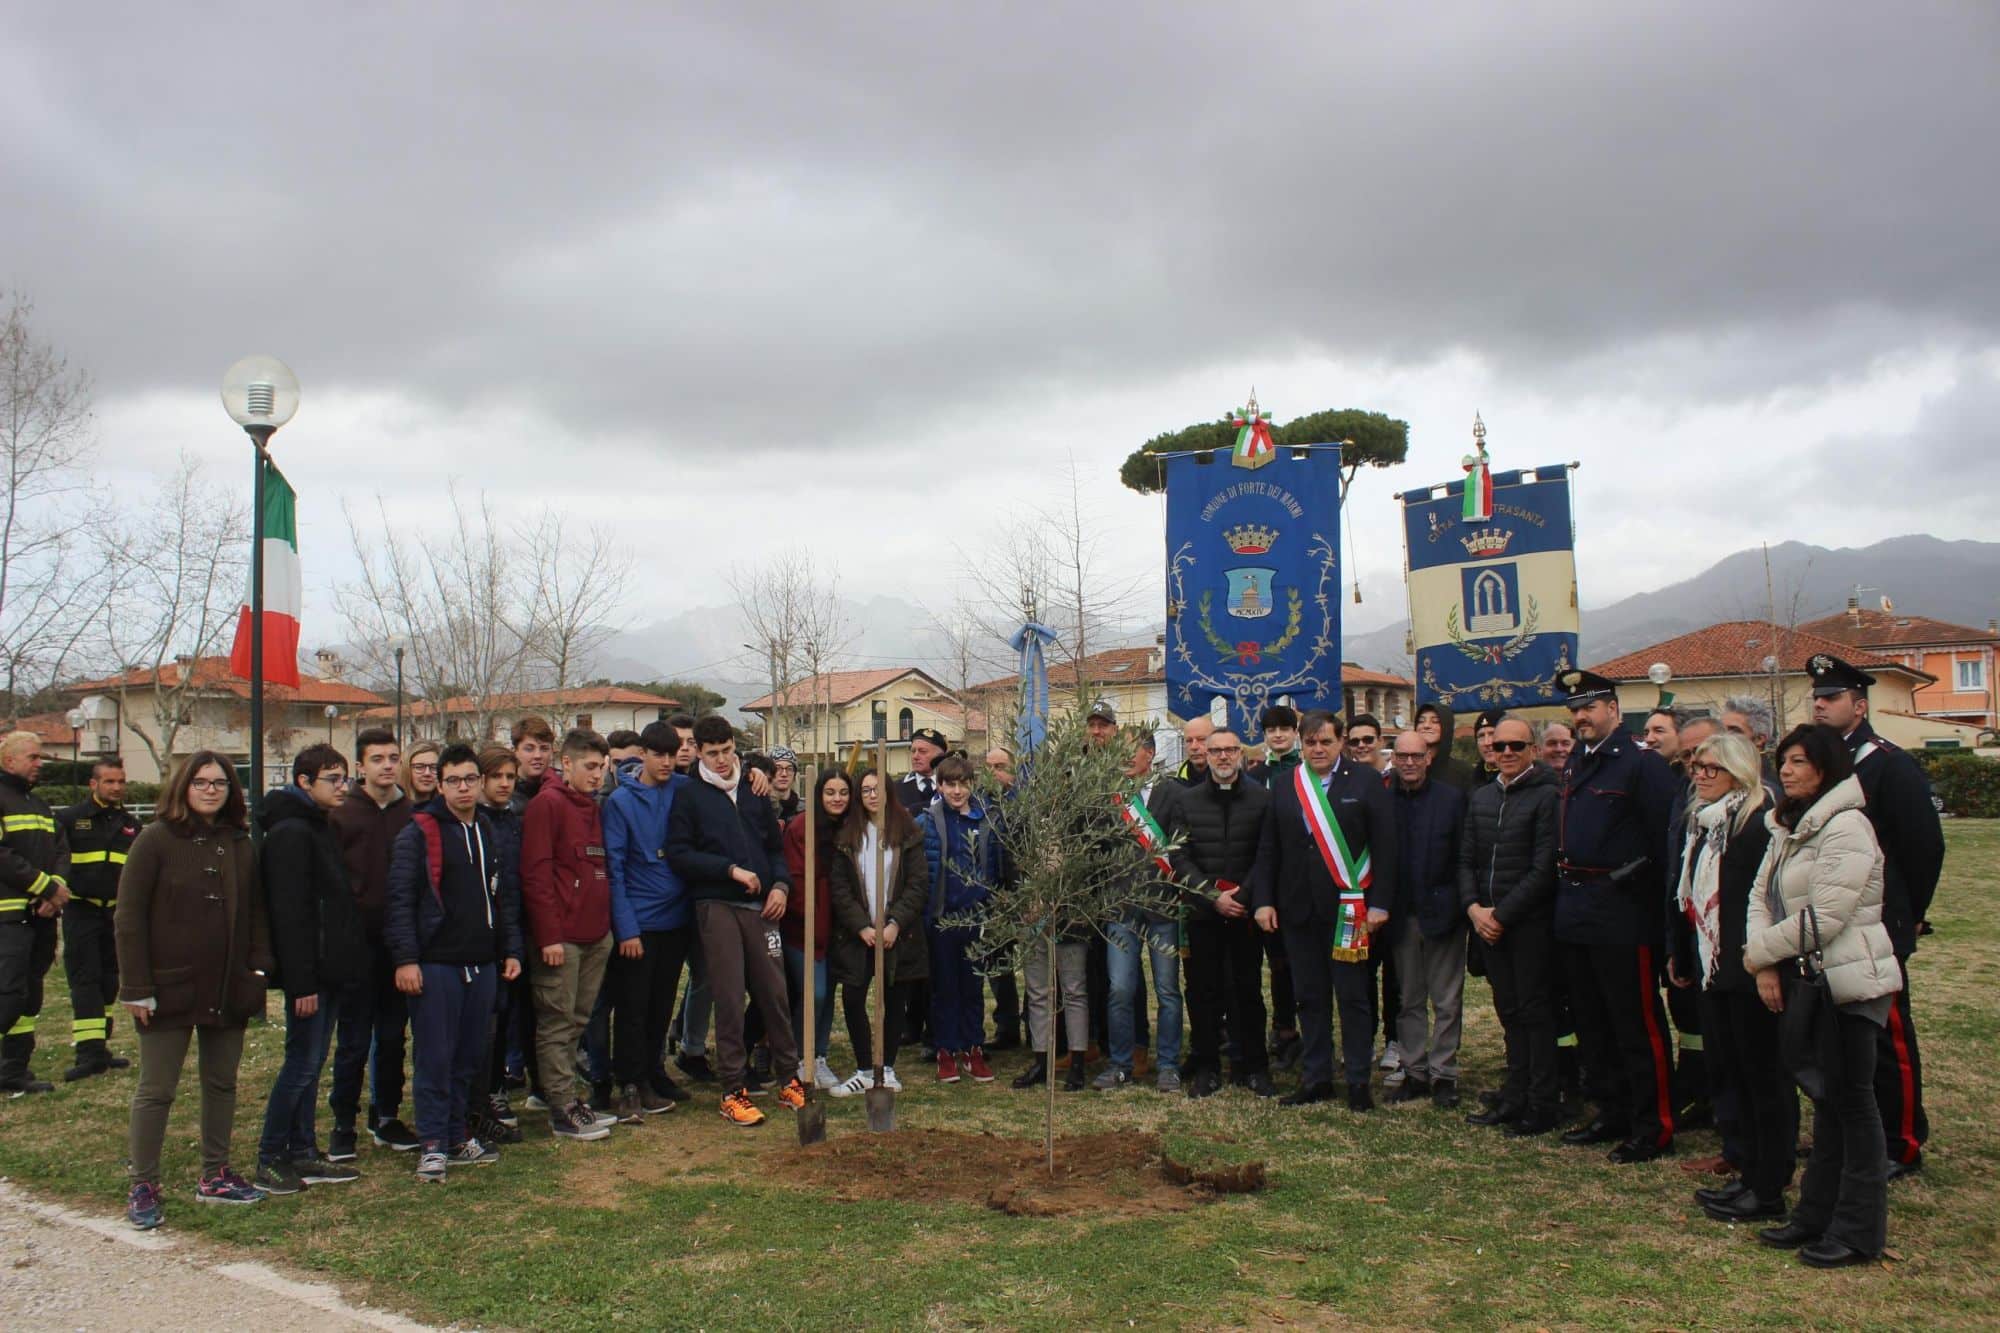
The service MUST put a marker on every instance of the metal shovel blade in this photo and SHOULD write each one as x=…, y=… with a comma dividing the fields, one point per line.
x=881, y=1104
x=812, y=1121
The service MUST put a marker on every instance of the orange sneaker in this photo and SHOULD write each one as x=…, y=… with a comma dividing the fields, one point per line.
x=793, y=1094
x=737, y=1109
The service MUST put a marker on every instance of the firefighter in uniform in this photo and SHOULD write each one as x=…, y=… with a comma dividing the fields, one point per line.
x=100, y=831
x=34, y=874
x=1610, y=912
x=1912, y=839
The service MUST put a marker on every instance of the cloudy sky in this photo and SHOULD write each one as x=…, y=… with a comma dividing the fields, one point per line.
x=885, y=272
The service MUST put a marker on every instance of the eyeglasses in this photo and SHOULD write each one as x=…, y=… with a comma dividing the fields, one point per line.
x=334, y=779
x=1405, y=757
x=1225, y=750
x=208, y=784
x=423, y=768
x=464, y=780
x=1364, y=740
x=1706, y=770
x=1510, y=745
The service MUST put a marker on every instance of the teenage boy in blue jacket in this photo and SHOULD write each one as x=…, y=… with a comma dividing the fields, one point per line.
x=453, y=936
x=652, y=919
x=965, y=862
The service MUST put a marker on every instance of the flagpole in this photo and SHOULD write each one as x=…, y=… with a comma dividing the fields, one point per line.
x=260, y=436
x=260, y=393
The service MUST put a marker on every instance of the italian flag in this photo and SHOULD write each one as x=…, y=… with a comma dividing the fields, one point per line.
x=283, y=590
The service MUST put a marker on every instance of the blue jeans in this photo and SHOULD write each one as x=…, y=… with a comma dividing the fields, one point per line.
x=289, y=1131
x=1163, y=942
x=795, y=973
x=449, y=1028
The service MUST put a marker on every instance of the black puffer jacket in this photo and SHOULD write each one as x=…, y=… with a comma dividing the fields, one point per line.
x=315, y=921
x=1507, y=858
x=1221, y=828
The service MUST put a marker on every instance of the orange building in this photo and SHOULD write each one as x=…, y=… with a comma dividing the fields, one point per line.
x=1961, y=659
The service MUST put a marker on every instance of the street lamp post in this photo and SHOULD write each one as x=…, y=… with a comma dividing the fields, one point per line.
x=331, y=714
x=260, y=394
x=399, y=697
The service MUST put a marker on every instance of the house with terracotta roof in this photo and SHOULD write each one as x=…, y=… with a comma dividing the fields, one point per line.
x=1960, y=658
x=826, y=713
x=1768, y=662
x=154, y=716
x=59, y=739
x=599, y=708
x=1388, y=698
x=1133, y=680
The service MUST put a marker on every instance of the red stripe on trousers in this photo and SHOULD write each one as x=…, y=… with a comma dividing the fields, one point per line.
x=1662, y=1072
x=1906, y=1079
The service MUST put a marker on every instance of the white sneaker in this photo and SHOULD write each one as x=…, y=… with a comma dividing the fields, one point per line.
x=1392, y=1056
x=889, y=1079
x=823, y=1076
x=854, y=1085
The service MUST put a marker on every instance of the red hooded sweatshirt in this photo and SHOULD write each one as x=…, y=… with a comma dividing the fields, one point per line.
x=564, y=885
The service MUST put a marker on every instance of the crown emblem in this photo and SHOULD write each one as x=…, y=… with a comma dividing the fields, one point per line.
x=1486, y=541
x=1250, y=538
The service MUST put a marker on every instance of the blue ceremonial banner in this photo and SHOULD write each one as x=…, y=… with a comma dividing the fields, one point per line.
x=1253, y=600
x=1492, y=601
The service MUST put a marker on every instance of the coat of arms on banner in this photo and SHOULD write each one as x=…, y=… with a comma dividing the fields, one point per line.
x=1492, y=580
x=1253, y=611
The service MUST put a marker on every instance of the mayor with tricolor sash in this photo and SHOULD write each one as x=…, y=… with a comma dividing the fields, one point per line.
x=1325, y=876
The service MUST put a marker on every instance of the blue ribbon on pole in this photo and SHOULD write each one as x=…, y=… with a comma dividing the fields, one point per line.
x=1031, y=727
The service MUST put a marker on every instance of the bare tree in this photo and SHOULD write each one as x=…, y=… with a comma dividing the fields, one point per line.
x=454, y=600
x=1046, y=565
x=575, y=582
x=49, y=598
x=968, y=653
x=179, y=579
x=792, y=614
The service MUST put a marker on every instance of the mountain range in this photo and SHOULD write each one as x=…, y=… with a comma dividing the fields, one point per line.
x=1956, y=581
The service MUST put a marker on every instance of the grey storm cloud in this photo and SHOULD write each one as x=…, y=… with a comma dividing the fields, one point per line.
x=819, y=219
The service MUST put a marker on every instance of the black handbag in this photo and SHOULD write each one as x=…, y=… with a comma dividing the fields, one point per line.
x=1809, y=1027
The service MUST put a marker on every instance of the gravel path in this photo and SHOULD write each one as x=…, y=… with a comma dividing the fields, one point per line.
x=62, y=1269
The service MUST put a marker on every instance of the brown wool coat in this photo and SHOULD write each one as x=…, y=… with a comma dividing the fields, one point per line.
x=191, y=928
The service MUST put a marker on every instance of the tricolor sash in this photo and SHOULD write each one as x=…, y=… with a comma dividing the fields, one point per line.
x=1352, y=875
x=1147, y=830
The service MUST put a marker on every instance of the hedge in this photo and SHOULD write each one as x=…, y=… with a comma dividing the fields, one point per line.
x=1968, y=785
x=61, y=794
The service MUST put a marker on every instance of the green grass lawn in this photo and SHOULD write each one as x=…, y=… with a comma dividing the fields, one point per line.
x=1406, y=1217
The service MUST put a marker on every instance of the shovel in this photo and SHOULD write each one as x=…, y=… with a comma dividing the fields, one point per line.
x=881, y=1099
x=812, y=1116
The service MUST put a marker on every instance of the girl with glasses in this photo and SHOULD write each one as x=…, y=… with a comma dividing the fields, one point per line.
x=193, y=954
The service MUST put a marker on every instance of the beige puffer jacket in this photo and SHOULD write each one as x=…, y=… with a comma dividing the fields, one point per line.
x=1831, y=860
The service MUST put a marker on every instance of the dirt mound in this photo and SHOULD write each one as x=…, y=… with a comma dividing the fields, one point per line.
x=1094, y=1173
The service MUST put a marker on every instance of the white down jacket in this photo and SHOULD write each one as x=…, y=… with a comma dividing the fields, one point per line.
x=1832, y=862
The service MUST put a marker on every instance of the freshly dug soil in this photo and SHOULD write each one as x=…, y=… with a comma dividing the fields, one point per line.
x=1095, y=1173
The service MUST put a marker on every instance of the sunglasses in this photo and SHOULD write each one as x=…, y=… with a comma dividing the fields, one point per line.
x=1509, y=746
